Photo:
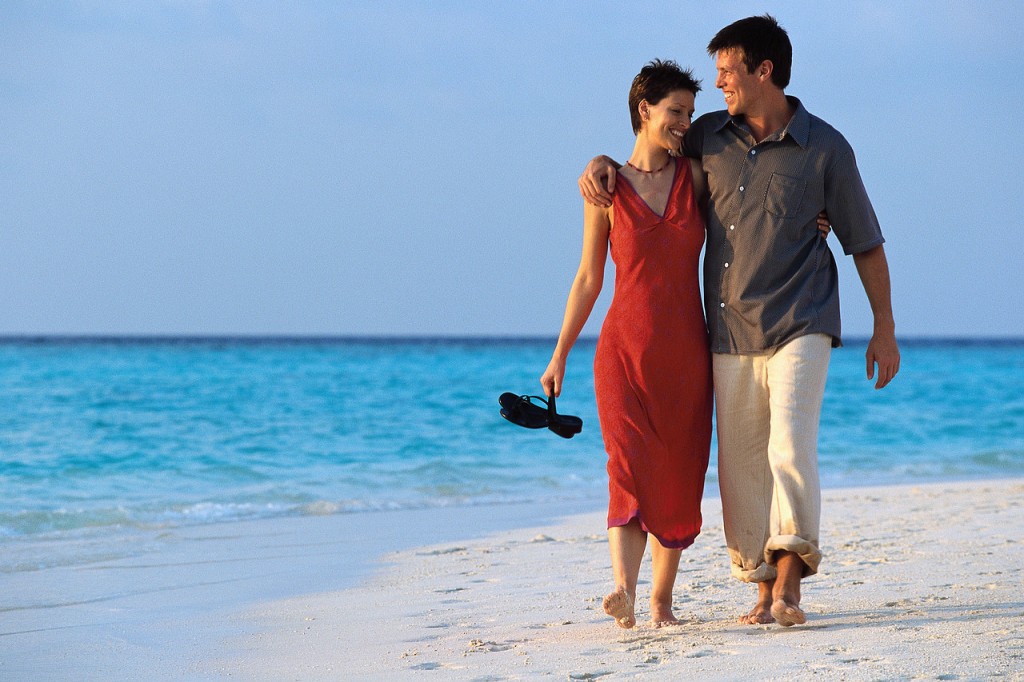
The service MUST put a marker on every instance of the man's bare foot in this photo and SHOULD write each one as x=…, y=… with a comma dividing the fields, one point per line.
x=787, y=614
x=786, y=591
x=761, y=614
x=619, y=605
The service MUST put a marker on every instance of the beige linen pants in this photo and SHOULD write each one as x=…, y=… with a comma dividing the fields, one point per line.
x=768, y=406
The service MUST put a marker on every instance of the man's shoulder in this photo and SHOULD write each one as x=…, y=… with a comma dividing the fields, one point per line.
x=711, y=121
x=699, y=135
x=823, y=134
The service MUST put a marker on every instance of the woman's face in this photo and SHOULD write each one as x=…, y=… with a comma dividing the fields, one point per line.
x=668, y=120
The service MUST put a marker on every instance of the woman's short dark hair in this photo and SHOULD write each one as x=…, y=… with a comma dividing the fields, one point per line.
x=654, y=82
x=760, y=38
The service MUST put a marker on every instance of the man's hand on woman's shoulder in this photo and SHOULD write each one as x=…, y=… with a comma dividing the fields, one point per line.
x=598, y=181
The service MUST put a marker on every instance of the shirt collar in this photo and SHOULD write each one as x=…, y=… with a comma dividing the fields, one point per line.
x=798, y=127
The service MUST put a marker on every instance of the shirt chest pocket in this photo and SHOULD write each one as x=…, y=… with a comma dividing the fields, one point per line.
x=784, y=196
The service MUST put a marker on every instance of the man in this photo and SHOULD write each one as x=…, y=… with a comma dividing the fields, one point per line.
x=772, y=302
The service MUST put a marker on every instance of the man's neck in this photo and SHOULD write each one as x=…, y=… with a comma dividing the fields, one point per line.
x=773, y=116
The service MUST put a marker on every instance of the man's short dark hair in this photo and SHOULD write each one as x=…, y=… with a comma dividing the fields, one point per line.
x=760, y=38
x=654, y=82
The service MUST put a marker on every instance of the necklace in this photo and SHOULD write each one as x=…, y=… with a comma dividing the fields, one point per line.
x=650, y=172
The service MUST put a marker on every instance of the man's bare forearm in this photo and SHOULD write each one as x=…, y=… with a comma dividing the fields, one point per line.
x=873, y=269
x=883, y=351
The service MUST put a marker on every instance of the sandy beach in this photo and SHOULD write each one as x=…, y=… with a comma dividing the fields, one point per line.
x=918, y=582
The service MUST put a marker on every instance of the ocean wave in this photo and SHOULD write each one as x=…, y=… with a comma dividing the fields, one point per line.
x=113, y=438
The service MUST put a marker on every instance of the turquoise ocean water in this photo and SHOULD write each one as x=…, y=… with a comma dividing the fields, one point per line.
x=102, y=440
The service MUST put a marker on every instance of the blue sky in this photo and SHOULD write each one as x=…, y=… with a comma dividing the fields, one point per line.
x=410, y=167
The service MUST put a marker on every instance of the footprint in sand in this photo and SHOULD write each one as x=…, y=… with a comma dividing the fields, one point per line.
x=545, y=626
x=482, y=646
x=442, y=552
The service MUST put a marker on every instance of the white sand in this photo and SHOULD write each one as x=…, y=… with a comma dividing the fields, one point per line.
x=159, y=604
x=918, y=582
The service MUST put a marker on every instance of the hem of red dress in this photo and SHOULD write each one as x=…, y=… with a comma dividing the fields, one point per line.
x=668, y=544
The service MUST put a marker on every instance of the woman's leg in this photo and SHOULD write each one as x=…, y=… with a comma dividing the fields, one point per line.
x=665, y=566
x=627, y=544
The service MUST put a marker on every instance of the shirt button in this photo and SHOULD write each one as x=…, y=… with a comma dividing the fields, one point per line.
x=742, y=188
x=726, y=265
x=721, y=305
x=753, y=152
x=732, y=227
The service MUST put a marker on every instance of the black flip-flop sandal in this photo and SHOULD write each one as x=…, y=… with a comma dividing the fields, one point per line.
x=565, y=425
x=521, y=410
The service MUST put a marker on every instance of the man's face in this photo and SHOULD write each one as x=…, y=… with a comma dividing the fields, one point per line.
x=741, y=89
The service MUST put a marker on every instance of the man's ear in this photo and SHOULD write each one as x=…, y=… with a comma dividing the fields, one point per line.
x=764, y=70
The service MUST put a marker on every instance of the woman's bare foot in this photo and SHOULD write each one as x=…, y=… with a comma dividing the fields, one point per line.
x=619, y=605
x=787, y=614
x=662, y=616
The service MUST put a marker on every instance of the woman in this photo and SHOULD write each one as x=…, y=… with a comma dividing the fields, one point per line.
x=652, y=373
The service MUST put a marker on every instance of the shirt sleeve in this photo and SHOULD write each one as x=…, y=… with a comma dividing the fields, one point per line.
x=693, y=141
x=848, y=206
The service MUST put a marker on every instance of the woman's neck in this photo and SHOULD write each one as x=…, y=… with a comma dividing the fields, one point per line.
x=647, y=156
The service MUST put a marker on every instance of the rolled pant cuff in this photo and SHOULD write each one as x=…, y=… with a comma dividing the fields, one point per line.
x=758, y=574
x=806, y=550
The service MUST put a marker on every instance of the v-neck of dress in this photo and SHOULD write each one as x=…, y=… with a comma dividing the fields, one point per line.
x=671, y=191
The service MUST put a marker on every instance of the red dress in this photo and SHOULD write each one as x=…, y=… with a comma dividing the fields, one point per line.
x=652, y=367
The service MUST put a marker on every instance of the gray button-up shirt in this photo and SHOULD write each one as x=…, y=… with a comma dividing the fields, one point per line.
x=768, y=275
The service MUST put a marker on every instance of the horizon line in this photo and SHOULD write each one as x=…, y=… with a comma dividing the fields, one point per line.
x=285, y=338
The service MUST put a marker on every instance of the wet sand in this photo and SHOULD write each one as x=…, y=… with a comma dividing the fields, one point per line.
x=918, y=582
